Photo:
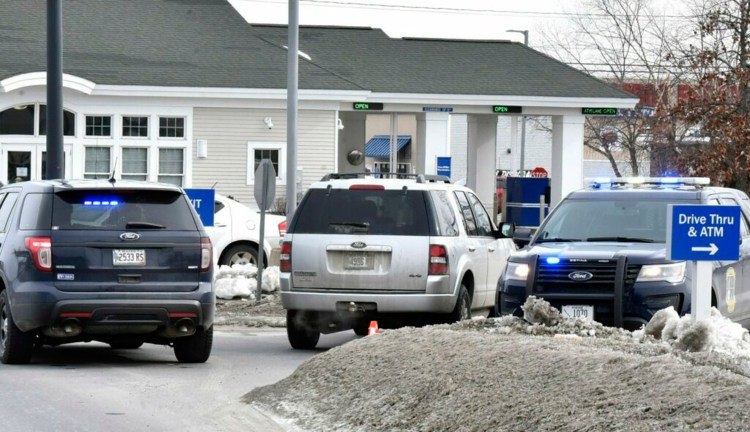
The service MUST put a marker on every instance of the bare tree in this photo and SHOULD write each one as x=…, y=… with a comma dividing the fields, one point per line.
x=625, y=43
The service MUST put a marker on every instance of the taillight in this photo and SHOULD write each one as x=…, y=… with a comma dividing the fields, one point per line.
x=366, y=187
x=282, y=229
x=41, y=252
x=438, y=260
x=285, y=257
x=206, y=254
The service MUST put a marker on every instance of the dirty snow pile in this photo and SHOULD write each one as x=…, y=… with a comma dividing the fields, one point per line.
x=540, y=372
x=241, y=281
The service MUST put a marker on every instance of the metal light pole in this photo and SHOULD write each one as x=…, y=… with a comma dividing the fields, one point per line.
x=523, y=118
x=54, y=90
x=291, y=111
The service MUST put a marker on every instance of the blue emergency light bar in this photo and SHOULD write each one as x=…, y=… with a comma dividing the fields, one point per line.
x=101, y=202
x=598, y=182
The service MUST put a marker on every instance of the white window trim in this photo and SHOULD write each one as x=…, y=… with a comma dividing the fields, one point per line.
x=255, y=145
x=184, y=128
x=111, y=126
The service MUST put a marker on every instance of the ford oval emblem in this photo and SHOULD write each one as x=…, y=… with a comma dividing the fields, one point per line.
x=359, y=245
x=580, y=276
x=130, y=236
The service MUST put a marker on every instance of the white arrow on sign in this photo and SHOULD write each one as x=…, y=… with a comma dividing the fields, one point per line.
x=712, y=249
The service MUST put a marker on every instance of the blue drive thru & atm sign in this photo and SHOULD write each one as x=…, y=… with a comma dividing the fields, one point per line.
x=703, y=233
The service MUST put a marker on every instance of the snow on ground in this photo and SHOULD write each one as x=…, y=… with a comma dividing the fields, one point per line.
x=242, y=281
x=540, y=372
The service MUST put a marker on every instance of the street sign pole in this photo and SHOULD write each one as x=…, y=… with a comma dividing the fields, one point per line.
x=265, y=192
x=700, y=290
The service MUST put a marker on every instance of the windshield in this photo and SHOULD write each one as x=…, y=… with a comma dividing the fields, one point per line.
x=608, y=220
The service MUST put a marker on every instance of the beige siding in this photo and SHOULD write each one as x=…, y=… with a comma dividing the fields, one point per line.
x=228, y=130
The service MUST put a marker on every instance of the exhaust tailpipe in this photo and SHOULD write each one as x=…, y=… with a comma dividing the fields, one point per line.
x=69, y=327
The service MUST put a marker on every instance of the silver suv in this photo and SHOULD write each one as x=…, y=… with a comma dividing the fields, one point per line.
x=410, y=250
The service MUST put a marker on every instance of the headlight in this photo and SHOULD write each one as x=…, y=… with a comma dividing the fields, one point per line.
x=673, y=273
x=516, y=271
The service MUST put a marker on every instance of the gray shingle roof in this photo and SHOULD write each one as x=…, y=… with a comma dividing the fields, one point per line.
x=206, y=43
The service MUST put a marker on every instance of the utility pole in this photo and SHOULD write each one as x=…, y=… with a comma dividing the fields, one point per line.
x=523, y=118
x=291, y=110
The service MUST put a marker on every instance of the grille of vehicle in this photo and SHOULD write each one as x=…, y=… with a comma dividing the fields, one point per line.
x=554, y=277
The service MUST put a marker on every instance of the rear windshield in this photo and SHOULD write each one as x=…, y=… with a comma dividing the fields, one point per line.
x=375, y=212
x=121, y=210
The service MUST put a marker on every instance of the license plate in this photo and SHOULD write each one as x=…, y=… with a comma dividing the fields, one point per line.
x=129, y=257
x=578, y=311
x=358, y=261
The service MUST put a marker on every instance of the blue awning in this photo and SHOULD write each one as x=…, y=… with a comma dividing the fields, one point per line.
x=379, y=146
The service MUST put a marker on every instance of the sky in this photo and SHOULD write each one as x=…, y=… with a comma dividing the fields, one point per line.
x=465, y=19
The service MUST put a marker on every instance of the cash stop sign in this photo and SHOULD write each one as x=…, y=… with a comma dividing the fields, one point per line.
x=703, y=233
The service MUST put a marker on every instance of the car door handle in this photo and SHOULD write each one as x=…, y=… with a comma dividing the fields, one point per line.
x=472, y=248
x=491, y=249
x=220, y=225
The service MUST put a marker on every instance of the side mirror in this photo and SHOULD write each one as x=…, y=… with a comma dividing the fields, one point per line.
x=507, y=229
x=522, y=236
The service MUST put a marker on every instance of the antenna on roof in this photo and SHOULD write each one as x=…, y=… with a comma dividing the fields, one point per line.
x=214, y=185
x=111, y=178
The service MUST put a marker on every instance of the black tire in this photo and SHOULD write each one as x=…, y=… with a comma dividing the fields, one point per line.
x=195, y=348
x=462, y=310
x=126, y=345
x=302, y=335
x=240, y=254
x=361, y=328
x=16, y=347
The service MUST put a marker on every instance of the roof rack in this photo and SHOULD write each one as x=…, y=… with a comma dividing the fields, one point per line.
x=420, y=178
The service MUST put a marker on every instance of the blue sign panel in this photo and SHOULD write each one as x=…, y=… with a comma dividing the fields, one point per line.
x=444, y=166
x=203, y=201
x=437, y=109
x=703, y=233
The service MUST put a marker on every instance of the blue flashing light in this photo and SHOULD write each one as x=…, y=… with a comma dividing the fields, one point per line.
x=95, y=202
x=553, y=260
x=670, y=180
x=602, y=180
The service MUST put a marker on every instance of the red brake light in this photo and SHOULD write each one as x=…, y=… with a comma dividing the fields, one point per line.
x=206, y=254
x=438, y=264
x=366, y=187
x=41, y=252
x=285, y=257
x=282, y=228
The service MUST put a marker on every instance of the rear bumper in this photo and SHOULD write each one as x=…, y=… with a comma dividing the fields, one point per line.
x=436, y=299
x=36, y=306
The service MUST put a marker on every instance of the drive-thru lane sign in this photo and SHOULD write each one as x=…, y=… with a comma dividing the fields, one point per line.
x=701, y=234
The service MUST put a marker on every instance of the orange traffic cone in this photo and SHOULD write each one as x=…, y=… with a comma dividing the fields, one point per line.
x=373, y=329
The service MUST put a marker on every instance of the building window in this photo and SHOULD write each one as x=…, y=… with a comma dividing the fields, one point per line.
x=97, y=164
x=135, y=163
x=135, y=127
x=171, y=166
x=99, y=126
x=171, y=127
x=256, y=152
x=18, y=120
x=69, y=122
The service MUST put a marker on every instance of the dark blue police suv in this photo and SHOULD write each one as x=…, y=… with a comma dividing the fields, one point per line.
x=601, y=255
x=124, y=263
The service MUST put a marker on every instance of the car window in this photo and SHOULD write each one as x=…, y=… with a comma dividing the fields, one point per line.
x=363, y=212
x=35, y=212
x=218, y=206
x=9, y=200
x=122, y=209
x=446, y=218
x=484, y=225
x=468, y=216
x=601, y=218
x=743, y=222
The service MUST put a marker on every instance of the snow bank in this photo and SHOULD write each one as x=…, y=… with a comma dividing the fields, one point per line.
x=241, y=281
x=717, y=333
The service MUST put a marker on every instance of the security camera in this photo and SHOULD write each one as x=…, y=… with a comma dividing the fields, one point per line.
x=268, y=122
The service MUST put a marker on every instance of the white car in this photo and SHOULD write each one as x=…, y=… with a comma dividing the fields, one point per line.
x=236, y=233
